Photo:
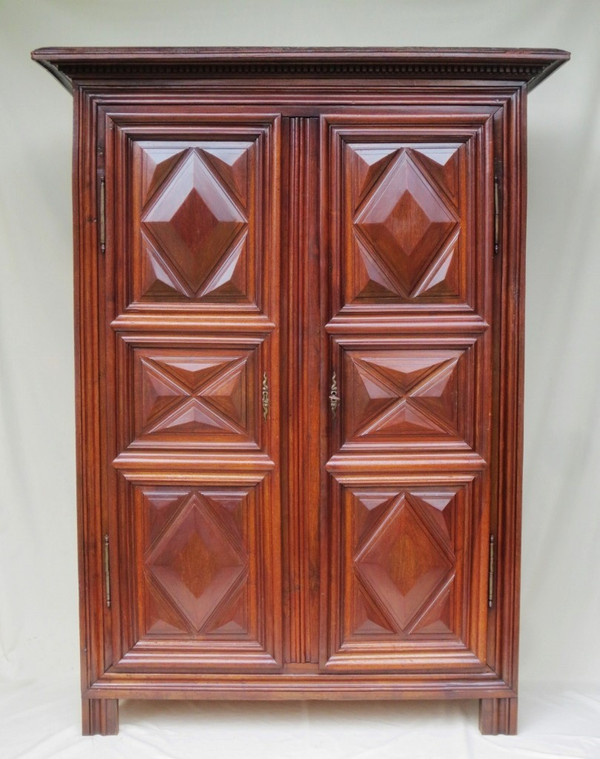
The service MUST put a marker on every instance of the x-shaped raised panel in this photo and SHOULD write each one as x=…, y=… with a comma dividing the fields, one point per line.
x=399, y=395
x=195, y=396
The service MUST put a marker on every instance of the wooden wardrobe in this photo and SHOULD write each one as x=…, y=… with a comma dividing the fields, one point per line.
x=299, y=327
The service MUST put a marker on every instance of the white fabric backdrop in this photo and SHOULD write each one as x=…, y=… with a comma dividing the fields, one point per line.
x=561, y=538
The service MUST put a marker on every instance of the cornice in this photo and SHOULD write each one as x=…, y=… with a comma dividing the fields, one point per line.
x=71, y=65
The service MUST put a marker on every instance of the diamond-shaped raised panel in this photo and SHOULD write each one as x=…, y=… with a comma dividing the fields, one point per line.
x=403, y=562
x=404, y=395
x=194, y=221
x=203, y=581
x=196, y=563
x=406, y=234
x=198, y=216
x=195, y=397
x=404, y=222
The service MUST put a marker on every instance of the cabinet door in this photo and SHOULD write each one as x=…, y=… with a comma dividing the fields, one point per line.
x=191, y=401
x=410, y=193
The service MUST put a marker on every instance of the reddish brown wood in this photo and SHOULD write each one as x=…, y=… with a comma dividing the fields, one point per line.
x=302, y=438
x=100, y=716
x=498, y=716
x=299, y=374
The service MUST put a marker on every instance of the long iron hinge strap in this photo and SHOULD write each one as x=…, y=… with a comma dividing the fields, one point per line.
x=491, y=572
x=107, y=570
x=496, y=215
x=102, y=215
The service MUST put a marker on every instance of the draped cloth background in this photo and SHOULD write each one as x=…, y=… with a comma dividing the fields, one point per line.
x=560, y=640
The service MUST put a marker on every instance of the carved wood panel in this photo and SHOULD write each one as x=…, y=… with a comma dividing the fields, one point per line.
x=204, y=592
x=201, y=212
x=408, y=577
x=409, y=499
x=409, y=217
x=195, y=560
x=405, y=225
x=402, y=394
x=196, y=397
x=197, y=235
x=192, y=342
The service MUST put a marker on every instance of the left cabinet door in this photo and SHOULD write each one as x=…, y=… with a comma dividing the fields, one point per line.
x=189, y=412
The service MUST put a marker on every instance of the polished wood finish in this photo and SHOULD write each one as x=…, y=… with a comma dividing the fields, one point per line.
x=299, y=308
x=498, y=716
x=100, y=716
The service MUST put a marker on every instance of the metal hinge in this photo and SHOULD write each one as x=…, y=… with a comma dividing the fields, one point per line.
x=496, y=215
x=102, y=216
x=107, y=570
x=491, y=572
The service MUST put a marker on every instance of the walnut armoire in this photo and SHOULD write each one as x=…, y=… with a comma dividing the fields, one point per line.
x=299, y=332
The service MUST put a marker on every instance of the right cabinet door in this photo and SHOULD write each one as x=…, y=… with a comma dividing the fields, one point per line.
x=408, y=222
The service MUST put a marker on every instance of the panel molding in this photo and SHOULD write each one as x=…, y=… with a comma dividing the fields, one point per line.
x=201, y=588
x=367, y=240
x=165, y=176
x=443, y=579
x=302, y=385
x=302, y=686
x=196, y=397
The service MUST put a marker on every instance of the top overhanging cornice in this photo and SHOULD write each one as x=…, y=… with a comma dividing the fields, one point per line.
x=84, y=64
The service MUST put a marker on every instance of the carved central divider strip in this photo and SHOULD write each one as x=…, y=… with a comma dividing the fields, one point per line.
x=301, y=383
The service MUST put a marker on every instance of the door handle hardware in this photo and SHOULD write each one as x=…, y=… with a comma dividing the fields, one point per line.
x=265, y=396
x=334, y=398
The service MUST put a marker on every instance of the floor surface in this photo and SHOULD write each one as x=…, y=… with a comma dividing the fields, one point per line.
x=43, y=723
